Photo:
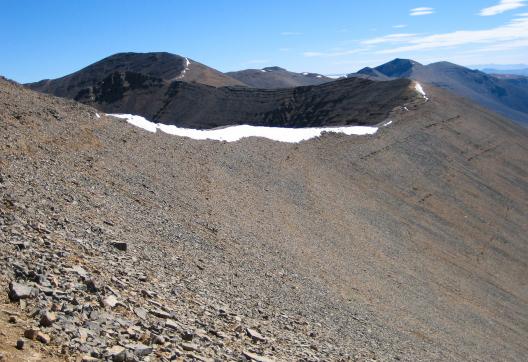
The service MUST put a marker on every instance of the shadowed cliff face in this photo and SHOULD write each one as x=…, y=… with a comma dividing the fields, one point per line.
x=409, y=244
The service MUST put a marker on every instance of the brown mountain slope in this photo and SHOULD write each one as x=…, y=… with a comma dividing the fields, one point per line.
x=165, y=67
x=277, y=77
x=409, y=244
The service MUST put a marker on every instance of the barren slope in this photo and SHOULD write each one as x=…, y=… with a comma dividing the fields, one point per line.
x=162, y=66
x=410, y=244
x=277, y=77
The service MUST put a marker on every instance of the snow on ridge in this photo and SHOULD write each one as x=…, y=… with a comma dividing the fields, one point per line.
x=236, y=133
x=420, y=90
x=187, y=63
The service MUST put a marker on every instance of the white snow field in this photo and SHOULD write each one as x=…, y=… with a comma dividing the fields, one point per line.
x=235, y=133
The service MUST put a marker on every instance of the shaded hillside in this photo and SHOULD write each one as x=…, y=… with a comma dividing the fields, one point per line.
x=343, y=102
x=499, y=95
x=369, y=73
x=164, y=66
x=406, y=245
x=276, y=77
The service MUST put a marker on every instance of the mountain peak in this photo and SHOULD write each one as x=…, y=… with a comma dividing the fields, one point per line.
x=274, y=69
x=398, y=67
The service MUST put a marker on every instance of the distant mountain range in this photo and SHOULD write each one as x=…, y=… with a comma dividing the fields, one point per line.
x=170, y=88
x=522, y=71
x=505, y=95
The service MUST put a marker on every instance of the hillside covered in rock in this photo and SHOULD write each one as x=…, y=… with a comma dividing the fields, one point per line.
x=120, y=244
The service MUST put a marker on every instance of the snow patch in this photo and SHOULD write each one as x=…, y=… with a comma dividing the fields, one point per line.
x=236, y=133
x=263, y=70
x=97, y=115
x=187, y=63
x=319, y=76
x=420, y=90
x=305, y=73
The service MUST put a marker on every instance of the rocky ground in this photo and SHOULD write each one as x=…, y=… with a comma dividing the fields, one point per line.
x=118, y=244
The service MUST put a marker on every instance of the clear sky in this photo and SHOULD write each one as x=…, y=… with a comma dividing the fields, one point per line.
x=50, y=38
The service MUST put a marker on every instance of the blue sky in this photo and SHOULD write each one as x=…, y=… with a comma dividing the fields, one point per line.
x=48, y=39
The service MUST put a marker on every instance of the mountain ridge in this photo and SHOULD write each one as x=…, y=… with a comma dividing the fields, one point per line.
x=409, y=244
x=506, y=97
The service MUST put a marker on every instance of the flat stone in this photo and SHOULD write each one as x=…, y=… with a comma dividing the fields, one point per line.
x=160, y=313
x=117, y=353
x=255, y=335
x=80, y=270
x=170, y=323
x=89, y=359
x=140, y=349
x=189, y=346
x=18, y=291
x=256, y=357
x=141, y=312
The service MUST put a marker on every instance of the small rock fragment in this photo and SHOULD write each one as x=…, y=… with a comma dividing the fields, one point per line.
x=43, y=338
x=89, y=359
x=141, y=312
x=189, y=346
x=158, y=340
x=20, y=344
x=117, y=353
x=160, y=313
x=91, y=286
x=110, y=301
x=119, y=245
x=140, y=349
x=256, y=357
x=18, y=291
x=255, y=335
x=187, y=335
x=170, y=323
x=47, y=319
x=31, y=333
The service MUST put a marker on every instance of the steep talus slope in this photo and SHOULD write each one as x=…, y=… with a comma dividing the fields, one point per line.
x=277, y=77
x=499, y=95
x=410, y=244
